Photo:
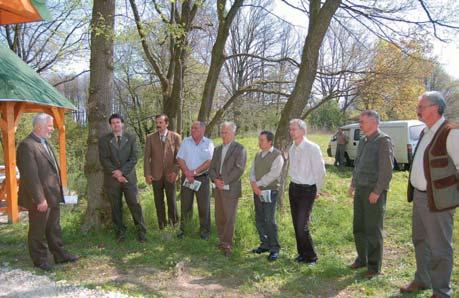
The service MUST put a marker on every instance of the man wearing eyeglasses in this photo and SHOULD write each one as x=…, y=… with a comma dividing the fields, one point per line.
x=433, y=187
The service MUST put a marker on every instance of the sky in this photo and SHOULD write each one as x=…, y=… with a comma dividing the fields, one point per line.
x=447, y=53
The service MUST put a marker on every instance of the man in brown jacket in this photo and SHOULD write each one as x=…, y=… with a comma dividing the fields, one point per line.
x=225, y=171
x=161, y=169
x=41, y=192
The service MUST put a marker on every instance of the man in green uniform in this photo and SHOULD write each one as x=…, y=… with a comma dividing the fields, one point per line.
x=370, y=182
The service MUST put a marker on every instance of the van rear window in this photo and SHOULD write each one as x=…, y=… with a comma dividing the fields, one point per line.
x=415, y=132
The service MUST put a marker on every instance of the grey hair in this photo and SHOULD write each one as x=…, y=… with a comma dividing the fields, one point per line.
x=201, y=123
x=371, y=114
x=41, y=118
x=301, y=124
x=232, y=126
x=437, y=99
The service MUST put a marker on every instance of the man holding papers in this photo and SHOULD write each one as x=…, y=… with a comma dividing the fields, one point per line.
x=226, y=169
x=265, y=181
x=194, y=158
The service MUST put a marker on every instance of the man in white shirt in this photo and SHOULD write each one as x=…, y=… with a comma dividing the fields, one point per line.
x=194, y=158
x=265, y=181
x=307, y=172
x=433, y=188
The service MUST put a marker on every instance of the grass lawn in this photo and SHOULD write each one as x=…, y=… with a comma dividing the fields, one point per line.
x=167, y=266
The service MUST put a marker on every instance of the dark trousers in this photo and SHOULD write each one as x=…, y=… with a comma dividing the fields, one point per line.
x=340, y=159
x=225, y=217
x=45, y=232
x=115, y=192
x=301, y=202
x=265, y=221
x=202, y=197
x=159, y=187
x=368, y=228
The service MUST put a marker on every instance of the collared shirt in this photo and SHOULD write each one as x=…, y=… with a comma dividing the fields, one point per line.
x=418, y=178
x=163, y=137
x=194, y=154
x=306, y=164
x=274, y=172
x=225, y=148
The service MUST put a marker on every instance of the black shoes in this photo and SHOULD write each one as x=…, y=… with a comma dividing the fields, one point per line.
x=141, y=238
x=303, y=259
x=204, y=236
x=66, y=259
x=44, y=266
x=273, y=256
x=260, y=250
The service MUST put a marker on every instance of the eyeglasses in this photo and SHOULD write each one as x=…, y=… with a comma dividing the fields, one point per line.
x=421, y=108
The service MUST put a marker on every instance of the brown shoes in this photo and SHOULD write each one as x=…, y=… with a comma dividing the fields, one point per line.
x=356, y=265
x=371, y=274
x=412, y=287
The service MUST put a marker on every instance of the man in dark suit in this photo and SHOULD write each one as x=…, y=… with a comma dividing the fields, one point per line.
x=118, y=156
x=226, y=169
x=161, y=169
x=41, y=192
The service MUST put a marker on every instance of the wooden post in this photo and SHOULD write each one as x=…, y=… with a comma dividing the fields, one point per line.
x=8, y=132
x=58, y=115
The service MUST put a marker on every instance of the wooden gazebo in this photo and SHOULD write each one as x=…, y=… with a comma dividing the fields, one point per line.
x=22, y=90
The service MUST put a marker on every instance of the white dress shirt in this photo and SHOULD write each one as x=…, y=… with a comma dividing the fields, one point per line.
x=418, y=178
x=273, y=174
x=306, y=164
x=194, y=154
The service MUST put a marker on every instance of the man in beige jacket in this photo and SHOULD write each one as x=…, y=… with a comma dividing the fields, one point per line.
x=161, y=169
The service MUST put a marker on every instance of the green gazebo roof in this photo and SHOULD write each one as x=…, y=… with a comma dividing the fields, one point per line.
x=19, y=82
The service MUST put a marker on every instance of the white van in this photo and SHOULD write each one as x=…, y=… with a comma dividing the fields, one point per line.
x=404, y=135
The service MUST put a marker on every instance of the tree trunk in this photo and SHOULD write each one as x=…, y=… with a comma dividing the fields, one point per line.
x=218, y=57
x=319, y=21
x=101, y=93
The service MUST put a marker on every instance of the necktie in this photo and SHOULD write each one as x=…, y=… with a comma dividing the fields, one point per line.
x=118, y=140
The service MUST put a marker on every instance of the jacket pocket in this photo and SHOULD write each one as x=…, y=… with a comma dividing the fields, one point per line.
x=439, y=162
x=446, y=182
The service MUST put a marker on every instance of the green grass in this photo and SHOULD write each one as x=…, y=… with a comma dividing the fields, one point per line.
x=153, y=269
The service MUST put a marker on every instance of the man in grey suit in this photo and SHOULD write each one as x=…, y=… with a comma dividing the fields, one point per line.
x=41, y=192
x=118, y=156
x=226, y=169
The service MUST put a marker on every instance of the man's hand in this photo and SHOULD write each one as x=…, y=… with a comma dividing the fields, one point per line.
x=317, y=195
x=189, y=176
x=171, y=177
x=117, y=173
x=351, y=191
x=42, y=206
x=373, y=198
x=255, y=188
x=149, y=179
x=122, y=179
x=219, y=184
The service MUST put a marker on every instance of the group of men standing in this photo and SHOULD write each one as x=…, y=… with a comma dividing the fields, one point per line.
x=433, y=188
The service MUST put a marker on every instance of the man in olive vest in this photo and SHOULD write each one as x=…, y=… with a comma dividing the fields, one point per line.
x=370, y=182
x=265, y=181
x=433, y=189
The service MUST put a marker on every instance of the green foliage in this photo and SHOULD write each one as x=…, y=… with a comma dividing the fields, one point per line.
x=154, y=268
x=327, y=116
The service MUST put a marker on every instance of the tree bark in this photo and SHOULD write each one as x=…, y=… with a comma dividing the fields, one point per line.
x=101, y=93
x=218, y=57
x=319, y=22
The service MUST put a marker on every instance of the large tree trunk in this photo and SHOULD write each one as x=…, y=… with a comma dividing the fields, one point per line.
x=319, y=21
x=101, y=93
x=218, y=56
